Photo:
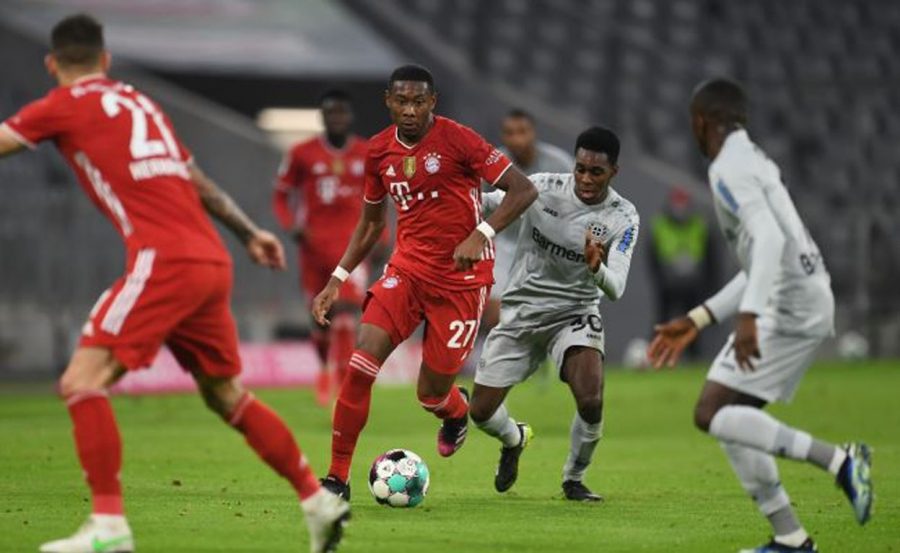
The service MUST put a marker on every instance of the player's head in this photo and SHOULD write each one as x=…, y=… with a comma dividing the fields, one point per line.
x=718, y=106
x=337, y=112
x=410, y=97
x=517, y=133
x=77, y=48
x=596, y=163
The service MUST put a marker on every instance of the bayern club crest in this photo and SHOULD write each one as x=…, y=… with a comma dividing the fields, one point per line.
x=432, y=163
x=390, y=282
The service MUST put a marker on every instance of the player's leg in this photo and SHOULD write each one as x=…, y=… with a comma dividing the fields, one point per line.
x=205, y=343
x=313, y=279
x=756, y=469
x=344, y=324
x=84, y=387
x=390, y=315
x=582, y=369
x=452, y=320
x=508, y=358
x=784, y=360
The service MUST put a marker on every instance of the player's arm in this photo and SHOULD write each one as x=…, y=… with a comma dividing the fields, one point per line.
x=520, y=193
x=366, y=235
x=9, y=144
x=262, y=246
x=288, y=182
x=611, y=274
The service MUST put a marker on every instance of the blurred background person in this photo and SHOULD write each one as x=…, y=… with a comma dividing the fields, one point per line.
x=530, y=155
x=318, y=199
x=682, y=261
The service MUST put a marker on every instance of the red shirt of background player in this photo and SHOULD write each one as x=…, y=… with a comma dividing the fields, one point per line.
x=436, y=188
x=330, y=184
x=140, y=182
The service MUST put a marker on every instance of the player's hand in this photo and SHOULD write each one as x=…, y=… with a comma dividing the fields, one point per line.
x=468, y=253
x=266, y=250
x=746, y=344
x=671, y=339
x=324, y=300
x=593, y=252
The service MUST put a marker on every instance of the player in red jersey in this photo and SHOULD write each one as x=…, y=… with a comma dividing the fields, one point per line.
x=441, y=269
x=325, y=176
x=177, y=287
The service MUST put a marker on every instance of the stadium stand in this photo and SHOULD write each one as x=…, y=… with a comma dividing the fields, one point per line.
x=820, y=75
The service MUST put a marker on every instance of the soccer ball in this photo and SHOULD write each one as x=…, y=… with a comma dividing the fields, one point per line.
x=399, y=478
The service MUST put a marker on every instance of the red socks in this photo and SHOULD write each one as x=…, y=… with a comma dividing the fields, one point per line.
x=273, y=442
x=343, y=342
x=451, y=406
x=352, y=411
x=99, y=449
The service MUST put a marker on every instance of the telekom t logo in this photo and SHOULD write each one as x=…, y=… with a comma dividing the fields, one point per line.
x=400, y=192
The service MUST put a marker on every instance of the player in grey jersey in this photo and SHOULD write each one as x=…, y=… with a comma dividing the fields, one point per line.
x=574, y=248
x=784, y=310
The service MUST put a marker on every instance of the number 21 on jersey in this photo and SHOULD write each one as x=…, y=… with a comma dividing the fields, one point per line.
x=140, y=107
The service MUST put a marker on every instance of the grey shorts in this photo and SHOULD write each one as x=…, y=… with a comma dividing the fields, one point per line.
x=783, y=361
x=511, y=355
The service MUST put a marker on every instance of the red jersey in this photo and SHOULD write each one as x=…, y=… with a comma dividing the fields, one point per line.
x=129, y=162
x=329, y=183
x=436, y=187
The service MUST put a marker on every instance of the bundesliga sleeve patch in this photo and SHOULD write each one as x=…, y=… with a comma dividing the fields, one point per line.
x=727, y=196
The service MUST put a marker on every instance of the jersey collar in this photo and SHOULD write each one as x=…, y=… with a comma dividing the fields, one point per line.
x=89, y=77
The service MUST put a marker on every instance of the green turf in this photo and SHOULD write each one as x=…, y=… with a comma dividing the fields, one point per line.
x=192, y=486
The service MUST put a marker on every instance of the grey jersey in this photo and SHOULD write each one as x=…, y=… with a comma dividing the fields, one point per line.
x=548, y=159
x=782, y=273
x=550, y=278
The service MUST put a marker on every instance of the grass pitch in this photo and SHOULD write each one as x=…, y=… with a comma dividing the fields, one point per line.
x=192, y=486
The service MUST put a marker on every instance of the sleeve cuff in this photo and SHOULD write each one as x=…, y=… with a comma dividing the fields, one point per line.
x=17, y=136
x=503, y=172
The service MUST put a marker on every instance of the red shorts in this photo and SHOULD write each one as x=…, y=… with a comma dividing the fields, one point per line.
x=315, y=277
x=184, y=305
x=398, y=302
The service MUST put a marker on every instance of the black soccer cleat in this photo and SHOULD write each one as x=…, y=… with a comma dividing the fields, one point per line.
x=577, y=491
x=508, y=467
x=452, y=434
x=336, y=486
x=774, y=547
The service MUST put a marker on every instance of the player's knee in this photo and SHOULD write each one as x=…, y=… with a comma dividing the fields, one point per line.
x=480, y=411
x=220, y=395
x=703, y=415
x=590, y=409
x=85, y=378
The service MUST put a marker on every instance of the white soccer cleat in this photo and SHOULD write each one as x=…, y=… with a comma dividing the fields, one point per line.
x=99, y=534
x=326, y=515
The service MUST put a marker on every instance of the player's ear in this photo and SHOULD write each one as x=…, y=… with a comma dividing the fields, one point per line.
x=614, y=170
x=434, y=97
x=105, y=61
x=50, y=64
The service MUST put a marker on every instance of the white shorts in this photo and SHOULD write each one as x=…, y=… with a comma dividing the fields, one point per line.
x=783, y=361
x=511, y=355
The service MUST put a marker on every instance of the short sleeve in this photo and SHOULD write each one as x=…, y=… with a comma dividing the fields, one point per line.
x=374, y=188
x=483, y=159
x=40, y=120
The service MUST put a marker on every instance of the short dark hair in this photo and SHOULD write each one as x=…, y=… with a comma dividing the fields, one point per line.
x=519, y=113
x=411, y=72
x=722, y=100
x=599, y=139
x=77, y=40
x=336, y=94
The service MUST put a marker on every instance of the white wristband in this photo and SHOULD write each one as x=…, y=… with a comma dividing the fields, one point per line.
x=341, y=273
x=486, y=229
x=700, y=317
